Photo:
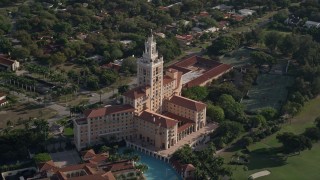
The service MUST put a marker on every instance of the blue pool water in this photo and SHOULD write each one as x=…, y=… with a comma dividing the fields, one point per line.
x=157, y=169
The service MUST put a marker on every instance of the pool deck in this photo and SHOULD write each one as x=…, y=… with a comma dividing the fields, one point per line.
x=192, y=139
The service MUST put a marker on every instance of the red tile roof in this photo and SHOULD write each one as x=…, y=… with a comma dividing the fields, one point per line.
x=47, y=166
x=100, y=112
x=5, y=61
x=186, y=37
x=181, y=69
x=187, y=103
x=119, y=166
x=204, y=14
x=190, y=61
x=181, y=168
x=136, y=92
x=88, y=167
x=88, y=154
x=167, y=80
x=99, y=158
x=210, y=74
x=157, y=119
x=178, y=118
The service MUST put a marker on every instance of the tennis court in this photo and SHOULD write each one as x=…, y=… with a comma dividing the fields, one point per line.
x=270, y=91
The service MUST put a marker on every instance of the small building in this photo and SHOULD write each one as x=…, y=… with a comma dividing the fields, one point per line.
x=312, y=24
x=246, y=12
x=162, y=35
x=184, y=39
x=3, y=100
x=90, y=156
x=126, y=42
x=8, y=64
x=223, y=7
x=186, y=171
x=211, y=30
x=223, y=25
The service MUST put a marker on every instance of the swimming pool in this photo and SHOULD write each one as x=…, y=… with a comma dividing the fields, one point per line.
x=157, y=169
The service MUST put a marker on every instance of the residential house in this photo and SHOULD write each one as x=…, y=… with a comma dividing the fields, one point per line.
x=223, y=7
x=8, y=64
x=246, y=12
x=312, y=24
x=3, y=100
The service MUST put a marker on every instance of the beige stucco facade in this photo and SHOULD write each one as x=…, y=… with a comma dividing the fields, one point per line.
x=154, y=113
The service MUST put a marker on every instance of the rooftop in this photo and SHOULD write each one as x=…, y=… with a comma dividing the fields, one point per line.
x=136, y=92
x=100, y=112
x=5, y=61
x=167, y=80
x=187, y=103
x=158, y=119
x=214, y=72
x=119, y=166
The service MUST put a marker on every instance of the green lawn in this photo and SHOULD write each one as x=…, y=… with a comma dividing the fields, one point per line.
x=68, y=132
x=262, y=156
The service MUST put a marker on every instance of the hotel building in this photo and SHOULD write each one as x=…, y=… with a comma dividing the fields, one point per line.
x=154, y=113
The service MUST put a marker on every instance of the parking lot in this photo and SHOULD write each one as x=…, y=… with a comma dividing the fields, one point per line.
x=65, y=158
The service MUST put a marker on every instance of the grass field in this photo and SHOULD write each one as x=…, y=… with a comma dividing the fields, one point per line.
x=297, y=167
x=24, y=112
x=72, y=100
x=270, y=91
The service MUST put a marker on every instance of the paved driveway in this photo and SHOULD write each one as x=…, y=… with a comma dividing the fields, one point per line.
x=65, y=158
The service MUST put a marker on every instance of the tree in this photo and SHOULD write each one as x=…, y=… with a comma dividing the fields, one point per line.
x=122, y=89
x=57, y=58
x=93, y=82
x=142, y=167
x=268, y=113
x=5, y=45
x=292, y=143
x=257, y=121
x=260, y=58
x=281, y=16
x=272, y=40
x=224, y=88
x=292, y=108
x=246, y=141
x=116, y=53
x=232, y=109
x=317, y=122
x=222, y=45
x=129, y=64
x=312, y=133
x=20, y=53
x=197, y=93
x=289, y=45
x=215, y=113
x=228, y=131
x=104, y=149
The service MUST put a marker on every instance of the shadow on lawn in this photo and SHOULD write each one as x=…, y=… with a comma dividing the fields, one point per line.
x=266, y=158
